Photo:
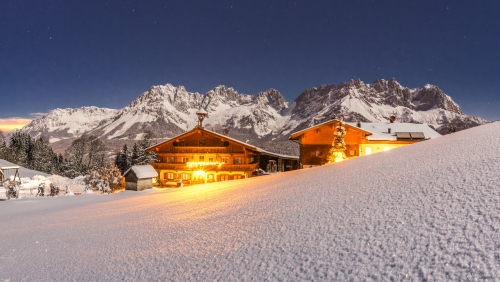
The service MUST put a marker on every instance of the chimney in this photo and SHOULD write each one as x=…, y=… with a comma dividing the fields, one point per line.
x=201, y=115
x=389, y=130
x=392, y=119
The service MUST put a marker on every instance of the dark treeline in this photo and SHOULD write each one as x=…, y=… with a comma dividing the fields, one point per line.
x=138, y=156
x=85, y=155
x=32, y=153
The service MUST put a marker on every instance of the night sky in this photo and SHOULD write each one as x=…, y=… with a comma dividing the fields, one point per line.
x=59, y=53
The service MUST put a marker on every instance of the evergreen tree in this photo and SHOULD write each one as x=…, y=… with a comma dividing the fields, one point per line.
x=42, y=156
x=123, y=159
x=28, y=152
x=337, y=152
x=137, y=155
x=20, y=149
x=146, y=157
x=68, y=169
x=3, y=146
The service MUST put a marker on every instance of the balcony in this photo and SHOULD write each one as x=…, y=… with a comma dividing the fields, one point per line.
x=200, y=150
x=209, y=167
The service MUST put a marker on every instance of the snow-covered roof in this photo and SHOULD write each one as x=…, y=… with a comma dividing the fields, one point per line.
x=206, y=130
x=298, y=133
x=142, y=171
x=277, y=155
x=257, y=149
x=380, y=130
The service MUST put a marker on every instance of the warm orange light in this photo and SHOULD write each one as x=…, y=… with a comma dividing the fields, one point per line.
x=199, y=173
x=337, y=157
x=202, y=164
x=9, y=124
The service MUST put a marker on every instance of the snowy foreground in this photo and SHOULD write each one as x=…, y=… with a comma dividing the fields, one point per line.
x=425, y=211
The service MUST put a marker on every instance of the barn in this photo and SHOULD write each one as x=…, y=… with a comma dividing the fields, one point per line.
x=139, y=177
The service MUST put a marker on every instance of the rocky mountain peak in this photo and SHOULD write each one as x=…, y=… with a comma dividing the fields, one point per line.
x=169, y=110
x=273, y=98
x=431, y=96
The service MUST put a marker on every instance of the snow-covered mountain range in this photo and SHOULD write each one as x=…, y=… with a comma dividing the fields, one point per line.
x=265, y=119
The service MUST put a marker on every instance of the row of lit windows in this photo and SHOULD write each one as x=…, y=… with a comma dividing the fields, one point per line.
x=201, y=143
x=210, y=177
x=236, y=160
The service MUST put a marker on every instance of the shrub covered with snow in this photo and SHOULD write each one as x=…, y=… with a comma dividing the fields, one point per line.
x=106, y=179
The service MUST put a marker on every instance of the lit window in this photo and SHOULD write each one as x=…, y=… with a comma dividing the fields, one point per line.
x=170, y=159
x=210, y=160
x=185, y=159
x=238, y=176
x=185, y=176
x=237, y=160
x=202, y=158
x=170, y=175
x=224, y=177
x=368, y=151
x=210, y=177
x=387, y=149
x=225, y=160
x=352, y=152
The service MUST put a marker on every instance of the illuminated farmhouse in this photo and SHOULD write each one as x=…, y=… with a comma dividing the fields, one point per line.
x=201, y=156
x=361, y=139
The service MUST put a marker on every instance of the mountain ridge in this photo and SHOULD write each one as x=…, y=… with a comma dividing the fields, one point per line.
x=265, y=119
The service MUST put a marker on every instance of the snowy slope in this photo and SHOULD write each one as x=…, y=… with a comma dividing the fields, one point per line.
x=428, y=211
x=23, y=172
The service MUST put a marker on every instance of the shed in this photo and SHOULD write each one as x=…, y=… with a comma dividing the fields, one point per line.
x=139, y=177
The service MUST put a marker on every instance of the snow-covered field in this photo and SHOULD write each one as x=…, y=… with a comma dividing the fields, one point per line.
x=30, y=179
x=429, y=211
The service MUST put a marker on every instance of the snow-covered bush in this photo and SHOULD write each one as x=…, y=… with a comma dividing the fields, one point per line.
x=106, y=179
x=69, y=192
x=41, y=190
x=11, y=189
x=54, y=189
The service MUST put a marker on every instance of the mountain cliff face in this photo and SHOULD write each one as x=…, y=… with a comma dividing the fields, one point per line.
x=265, y=119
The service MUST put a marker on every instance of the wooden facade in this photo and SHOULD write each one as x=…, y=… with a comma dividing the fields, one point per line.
x=202, y=156
x=315, y=142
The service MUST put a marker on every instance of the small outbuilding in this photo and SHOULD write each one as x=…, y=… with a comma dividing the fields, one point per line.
x=139, y=177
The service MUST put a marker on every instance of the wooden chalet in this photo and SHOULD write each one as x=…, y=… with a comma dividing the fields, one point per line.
x=362, y=138
x=201, y=156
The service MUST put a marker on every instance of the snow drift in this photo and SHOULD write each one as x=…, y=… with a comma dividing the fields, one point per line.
x=428, y=211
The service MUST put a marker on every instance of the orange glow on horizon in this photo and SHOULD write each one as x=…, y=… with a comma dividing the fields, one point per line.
x=9, y=124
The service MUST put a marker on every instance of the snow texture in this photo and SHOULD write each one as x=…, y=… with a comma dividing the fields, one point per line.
x=427, y=211
x=23, y=172
x=143, y=171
